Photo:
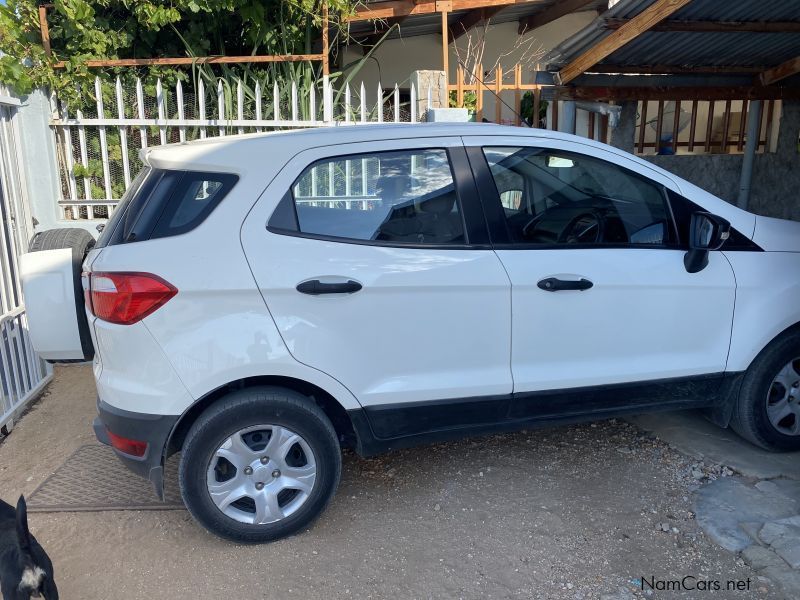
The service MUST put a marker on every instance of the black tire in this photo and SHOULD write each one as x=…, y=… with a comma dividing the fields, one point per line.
x=80, y=242
x=750, y=418
x=246, y=408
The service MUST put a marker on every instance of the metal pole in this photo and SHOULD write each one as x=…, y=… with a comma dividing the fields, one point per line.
x=753, y=133
x=567, y=124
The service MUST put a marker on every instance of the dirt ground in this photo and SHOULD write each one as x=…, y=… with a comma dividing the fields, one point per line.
x=572, y=512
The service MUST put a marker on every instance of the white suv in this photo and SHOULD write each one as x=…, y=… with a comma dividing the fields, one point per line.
x=258, y=302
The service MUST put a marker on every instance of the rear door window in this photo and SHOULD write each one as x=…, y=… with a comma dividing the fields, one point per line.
x=392, y=198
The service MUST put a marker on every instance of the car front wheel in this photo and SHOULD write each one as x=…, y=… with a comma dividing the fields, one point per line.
x=259, y=465
x=768, y=409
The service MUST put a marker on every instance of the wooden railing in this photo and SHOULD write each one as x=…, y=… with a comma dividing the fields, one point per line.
x=500, y=97
x=704, y=127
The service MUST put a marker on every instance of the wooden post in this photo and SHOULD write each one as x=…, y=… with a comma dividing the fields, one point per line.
x=726, y=123
x=693, y=126
x=498, y=88
x=642, y=125
x=45, y=30
x=742, y=122
x=517, y=93
x=478, y=83
x=709, y=127
x=325, y=49
x=676, y=121
x=659, y=125
x=460, y=86
x=445, y=49
x=768, y=128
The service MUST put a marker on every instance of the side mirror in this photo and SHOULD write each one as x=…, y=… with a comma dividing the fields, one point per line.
x=706, y=232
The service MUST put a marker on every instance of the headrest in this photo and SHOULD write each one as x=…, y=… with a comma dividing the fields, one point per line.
x=392, y=187
x=439, y=205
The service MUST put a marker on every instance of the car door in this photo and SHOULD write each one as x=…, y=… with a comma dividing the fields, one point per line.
x=600, y=294
x=374, y=262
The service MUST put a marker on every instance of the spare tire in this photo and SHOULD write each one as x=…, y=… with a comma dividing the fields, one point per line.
x=80, y=242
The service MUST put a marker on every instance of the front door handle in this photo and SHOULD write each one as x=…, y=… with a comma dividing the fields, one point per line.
x=315, y=287
x=554, y=284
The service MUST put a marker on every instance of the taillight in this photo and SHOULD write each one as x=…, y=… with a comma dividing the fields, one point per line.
x=126, y=298
x=127, y=445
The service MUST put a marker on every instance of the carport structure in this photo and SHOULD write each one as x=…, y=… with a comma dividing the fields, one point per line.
x=688, y=55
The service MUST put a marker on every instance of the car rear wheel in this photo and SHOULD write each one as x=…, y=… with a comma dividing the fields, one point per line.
x=767, y=412
x=259, y=465
x=79, y=241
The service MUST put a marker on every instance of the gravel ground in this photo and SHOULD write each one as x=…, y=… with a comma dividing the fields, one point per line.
x=571, y=512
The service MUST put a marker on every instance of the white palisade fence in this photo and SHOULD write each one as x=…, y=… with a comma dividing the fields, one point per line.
x=99, y=153
x=22, y=373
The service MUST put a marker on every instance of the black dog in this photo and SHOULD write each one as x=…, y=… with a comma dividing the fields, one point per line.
x=25, y=568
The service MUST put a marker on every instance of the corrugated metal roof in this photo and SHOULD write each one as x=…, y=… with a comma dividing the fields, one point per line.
x=431, y=23
x=693, y=49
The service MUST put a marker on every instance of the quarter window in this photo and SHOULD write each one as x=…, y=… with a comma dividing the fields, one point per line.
x=552, y=197
x=402, y=197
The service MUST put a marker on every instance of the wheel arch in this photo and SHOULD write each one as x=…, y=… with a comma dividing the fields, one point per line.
x=333, y=409
x=722, y=413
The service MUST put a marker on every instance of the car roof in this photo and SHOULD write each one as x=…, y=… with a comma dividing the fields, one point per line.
x=237, y=153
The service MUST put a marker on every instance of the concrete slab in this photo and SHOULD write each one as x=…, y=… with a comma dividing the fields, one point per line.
x=690, y=433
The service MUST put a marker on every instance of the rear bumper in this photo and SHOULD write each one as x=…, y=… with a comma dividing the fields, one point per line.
x=153, y=429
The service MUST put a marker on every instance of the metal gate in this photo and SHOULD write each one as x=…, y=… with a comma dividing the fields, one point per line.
x=22, y=373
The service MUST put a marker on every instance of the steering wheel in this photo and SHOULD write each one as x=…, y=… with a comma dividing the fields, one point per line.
x=531, y=225
x=586, y=228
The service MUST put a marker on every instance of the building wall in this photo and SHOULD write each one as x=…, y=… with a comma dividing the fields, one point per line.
x=393, y=62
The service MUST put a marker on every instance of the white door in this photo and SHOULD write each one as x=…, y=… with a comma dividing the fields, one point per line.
x=375, y=265
x=600, y=293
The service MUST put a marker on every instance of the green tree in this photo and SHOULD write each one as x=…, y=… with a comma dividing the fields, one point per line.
x=110, y=29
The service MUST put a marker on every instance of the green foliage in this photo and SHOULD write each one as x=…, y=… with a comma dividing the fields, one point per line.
x=81, y=30
x=470, y=101
x=526, y=109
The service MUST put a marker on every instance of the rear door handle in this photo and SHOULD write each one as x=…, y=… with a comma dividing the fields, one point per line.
x=553, y=284
x=315, y=287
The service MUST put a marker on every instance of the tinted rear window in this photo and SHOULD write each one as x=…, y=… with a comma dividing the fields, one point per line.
x=164, y=203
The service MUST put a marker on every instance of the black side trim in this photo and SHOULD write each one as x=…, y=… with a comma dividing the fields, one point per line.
x=153, y=429
x=683, y=209
x=699, y=391
x=490, y=201
x=396, y=420
x=389, y=427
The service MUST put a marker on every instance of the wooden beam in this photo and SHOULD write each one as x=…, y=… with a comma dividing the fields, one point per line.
x=716, y=26
x=200, y=60
x=782, y=71
x=45, y=30
x=399, y=8
x=556, y=11
x=655, y=13
x=672, y=69
x=621, y=93
x=471, y=19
